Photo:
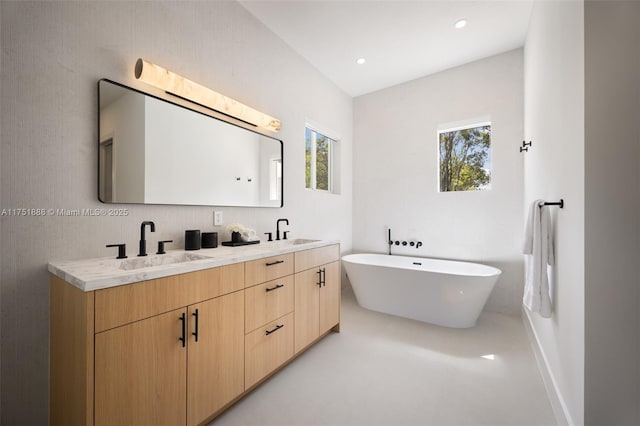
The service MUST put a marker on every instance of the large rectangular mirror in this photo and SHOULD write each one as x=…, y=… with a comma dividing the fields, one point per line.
x=153, y=151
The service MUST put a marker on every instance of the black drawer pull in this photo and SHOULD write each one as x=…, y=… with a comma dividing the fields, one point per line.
x=277, y=262
x=278, y=327
x=195, y=333
x=275, y=288
x=183, y=319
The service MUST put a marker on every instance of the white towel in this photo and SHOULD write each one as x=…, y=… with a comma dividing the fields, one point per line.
x=538, y=250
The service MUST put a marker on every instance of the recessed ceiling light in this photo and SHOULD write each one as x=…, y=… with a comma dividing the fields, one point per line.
x=461, y=23
x=361, y=61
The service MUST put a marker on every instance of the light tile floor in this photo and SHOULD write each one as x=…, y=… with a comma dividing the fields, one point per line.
x=386, y=370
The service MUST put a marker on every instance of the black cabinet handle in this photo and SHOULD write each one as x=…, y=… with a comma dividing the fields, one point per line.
x=183, y=339
x=195, y=333
x=275, y=288
x=324, y=277
x=278, y=327
x=277, y=262
x=319, y=277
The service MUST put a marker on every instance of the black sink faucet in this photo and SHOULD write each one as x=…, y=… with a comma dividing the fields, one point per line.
x=278, y=228
x=143, y=242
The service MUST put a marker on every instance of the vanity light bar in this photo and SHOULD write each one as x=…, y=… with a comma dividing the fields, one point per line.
x=177, y=85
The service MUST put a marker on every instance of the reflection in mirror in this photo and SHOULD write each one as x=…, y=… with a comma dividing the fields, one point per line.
x=155, y=152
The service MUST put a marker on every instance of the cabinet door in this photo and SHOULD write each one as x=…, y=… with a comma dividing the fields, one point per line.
x=140, y=373
x=216, y=360
x=330, y=296
x=307, y=308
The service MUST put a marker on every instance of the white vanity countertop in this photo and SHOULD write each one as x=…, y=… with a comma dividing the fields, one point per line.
x=105, y=272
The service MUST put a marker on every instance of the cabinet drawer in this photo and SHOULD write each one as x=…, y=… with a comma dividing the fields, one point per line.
x=308, y=259
x=266, y=352
x=268, y=268
x=132, y=302
x=266, y=302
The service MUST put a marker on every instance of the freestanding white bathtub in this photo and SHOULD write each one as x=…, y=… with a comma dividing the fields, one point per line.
x=441, y=292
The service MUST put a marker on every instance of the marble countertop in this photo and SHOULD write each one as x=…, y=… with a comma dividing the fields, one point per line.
x=105, y=272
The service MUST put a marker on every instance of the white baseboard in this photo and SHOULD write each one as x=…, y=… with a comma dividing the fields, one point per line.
x=563, y=417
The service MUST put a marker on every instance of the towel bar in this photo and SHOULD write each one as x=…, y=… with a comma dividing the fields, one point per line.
x=554, y=203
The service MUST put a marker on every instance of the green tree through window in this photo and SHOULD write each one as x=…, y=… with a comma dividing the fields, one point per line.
x=465, y=159
x=317, y=160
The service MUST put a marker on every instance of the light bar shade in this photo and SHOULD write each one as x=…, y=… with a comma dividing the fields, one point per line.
x=177, y=85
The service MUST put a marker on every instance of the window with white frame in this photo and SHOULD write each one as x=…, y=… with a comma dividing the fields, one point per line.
x=465, y=158
x=318, y=160
x=275, y=178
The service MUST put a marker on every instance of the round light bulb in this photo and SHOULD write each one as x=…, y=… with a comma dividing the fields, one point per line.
x=361, y=61
x=461, y=23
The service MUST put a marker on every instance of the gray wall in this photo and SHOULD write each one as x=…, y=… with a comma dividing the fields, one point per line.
x=554, y=169
x=582, y=106
x=396, y=170
x=1, y=220
x=612, y=213
x=53, y=53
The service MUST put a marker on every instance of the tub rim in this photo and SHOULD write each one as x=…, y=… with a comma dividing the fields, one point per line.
x=492, y=271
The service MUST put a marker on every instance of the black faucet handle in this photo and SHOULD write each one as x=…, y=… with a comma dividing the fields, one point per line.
x=269, y=235
x=161, y=246
x=122, y=250
x=284, y=235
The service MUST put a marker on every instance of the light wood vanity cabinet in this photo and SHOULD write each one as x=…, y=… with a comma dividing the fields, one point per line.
x=317, y=294
x=180, y=349
x=142, y=377
x=183, y=364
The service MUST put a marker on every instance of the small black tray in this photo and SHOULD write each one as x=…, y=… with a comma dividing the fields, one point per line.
x=239, y=243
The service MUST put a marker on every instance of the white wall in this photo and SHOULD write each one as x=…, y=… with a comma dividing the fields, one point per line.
x=53, y=55
x=612, y=209
x=396, y=170
x=554, y=169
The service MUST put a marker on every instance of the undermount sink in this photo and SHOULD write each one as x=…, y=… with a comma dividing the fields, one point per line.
x=299, y=241
x=159, y=259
